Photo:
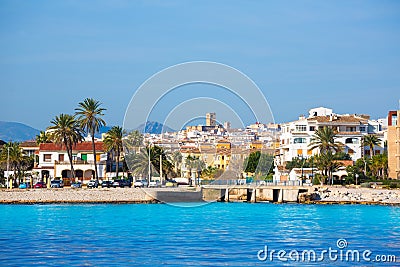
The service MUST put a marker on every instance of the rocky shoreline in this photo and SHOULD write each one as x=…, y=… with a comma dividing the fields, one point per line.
x=343, y=195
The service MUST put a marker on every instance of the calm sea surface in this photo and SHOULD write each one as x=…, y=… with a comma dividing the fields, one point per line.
x=219, y=234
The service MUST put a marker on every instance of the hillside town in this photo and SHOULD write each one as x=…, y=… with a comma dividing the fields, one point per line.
x=322, y=147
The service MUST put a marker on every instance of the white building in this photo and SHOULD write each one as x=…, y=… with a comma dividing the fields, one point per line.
x=54, y=162
x=296, y=135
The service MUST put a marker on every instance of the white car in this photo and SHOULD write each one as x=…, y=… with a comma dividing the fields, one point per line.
x=154, y=184
x=140, y=183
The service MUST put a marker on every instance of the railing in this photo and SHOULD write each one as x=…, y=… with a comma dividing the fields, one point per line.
x=82, y=162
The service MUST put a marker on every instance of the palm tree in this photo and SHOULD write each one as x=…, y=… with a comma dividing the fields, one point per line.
x=89, y=115
x=139, y=162
x=66, y=132
x=176, y=158
x=113, y=142
x=12, y=152
x=194, y=163
x=324, y=140
x=133, y=141
x=41, y=138
x=371, y=140
x=327, y=163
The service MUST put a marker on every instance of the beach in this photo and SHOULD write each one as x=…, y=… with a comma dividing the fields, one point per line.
x=316, y=195
x=67, y=195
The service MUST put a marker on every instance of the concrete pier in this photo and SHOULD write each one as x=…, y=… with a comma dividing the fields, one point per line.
x=278, y=194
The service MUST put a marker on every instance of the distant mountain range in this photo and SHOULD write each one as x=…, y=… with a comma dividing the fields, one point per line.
x=19, y=132
x=153, y=127
x=16, y=132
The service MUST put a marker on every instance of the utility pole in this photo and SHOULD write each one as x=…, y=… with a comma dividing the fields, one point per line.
x=161, y=174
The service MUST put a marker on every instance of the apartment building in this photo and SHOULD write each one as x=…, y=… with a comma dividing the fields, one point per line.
x=54, y=162
x=296, y=135
x=393, y=143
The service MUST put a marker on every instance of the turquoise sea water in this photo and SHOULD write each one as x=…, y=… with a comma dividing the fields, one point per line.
x=219, y=234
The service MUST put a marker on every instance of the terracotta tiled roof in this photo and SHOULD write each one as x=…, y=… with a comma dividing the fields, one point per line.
x=84, y=146
x=338, y=119
x=29, y=144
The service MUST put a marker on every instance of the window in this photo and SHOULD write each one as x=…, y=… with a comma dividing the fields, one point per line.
x=312, y=128
x=351, y=129
x=60, y=157
x=47, y=157
x=394, y=120
x=362, y=128
x=301, y=128
x=299, y=140
x=351, y=141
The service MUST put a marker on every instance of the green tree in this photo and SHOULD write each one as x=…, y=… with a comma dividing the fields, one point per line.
x=324, y=140
x=42, y=138
x=371, y=140
x=196, y=164
x=327, y=163
x=258, y=163
x=18, y=161
x=133, y=141
x=176, y=159
x=139, y=162
x=298, y=162
x=113, y=142
x=66, y=132
x=89, y=114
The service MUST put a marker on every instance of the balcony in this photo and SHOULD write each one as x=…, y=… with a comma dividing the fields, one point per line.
x=79, y=162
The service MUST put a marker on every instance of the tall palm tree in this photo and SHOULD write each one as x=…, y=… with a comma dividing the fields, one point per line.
x=139, y=162
x=371, y=140
x=327, y=163
x=176, y=159
x=66, y=132
x=42, y=137
x=324, y=140
x=89, y=115
x=13, y=154
x=133, y=141
x=113, y=142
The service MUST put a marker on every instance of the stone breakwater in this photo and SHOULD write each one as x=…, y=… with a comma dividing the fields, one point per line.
x=343, y=195
x=66, y=195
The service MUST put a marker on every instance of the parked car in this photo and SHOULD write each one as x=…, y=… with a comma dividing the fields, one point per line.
x=40, y=185
x=122, y=183
x=107, y=184
x=57, y=184
x=154, y=184
x=76, y=185
x=93, y=184
x=23, y=186
x=140, y=183
x=171, y=183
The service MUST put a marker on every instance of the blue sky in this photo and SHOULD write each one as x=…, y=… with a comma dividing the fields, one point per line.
x=343, y=55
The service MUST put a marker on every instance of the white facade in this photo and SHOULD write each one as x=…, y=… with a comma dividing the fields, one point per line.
x=54, y=162
x=296, y=136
